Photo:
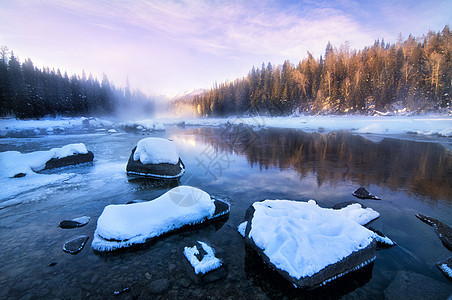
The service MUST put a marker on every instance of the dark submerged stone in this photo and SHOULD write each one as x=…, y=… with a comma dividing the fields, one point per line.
x=74, y=223
x=75, y=245
x=69, y=224
x=364, y=194
x=159, y=286
x=410, y=285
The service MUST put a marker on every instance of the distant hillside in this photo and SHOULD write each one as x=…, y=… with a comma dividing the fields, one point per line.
x=29, y=92
x=411, y=76
x=188, y=94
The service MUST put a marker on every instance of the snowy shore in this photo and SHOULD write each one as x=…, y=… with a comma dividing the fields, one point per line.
x=426, y=125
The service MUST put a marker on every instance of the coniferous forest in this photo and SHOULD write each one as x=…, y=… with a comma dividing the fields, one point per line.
x=413, y=75
x=29, y=92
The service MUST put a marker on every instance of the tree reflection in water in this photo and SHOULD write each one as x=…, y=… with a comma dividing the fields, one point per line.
x=421, y=168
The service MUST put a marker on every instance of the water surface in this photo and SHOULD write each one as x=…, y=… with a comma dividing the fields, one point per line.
x=243, y=165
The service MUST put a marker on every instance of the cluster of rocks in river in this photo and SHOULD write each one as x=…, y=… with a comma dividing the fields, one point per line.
x=358, y=259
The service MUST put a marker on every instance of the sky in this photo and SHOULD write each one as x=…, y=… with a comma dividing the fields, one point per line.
x=167, y=47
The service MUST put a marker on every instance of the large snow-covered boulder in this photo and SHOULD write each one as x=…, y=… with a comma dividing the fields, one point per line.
x=16, y=164
x=121, y=226
x=157, y=158
x=307, y=244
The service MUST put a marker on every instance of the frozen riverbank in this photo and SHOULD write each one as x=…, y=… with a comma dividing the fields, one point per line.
x=425, y=125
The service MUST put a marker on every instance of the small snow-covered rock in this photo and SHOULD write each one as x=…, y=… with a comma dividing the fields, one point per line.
x=309, y=245
x=75, y=245
x=155, y=157
x=121, y=226
x=202, y=263
x=77, y=222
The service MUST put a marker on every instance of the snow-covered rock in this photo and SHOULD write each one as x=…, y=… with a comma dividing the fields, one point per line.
x=16, y=164
x=208, y=261
x=309, y=245
x=155, y=157
x=122, y=226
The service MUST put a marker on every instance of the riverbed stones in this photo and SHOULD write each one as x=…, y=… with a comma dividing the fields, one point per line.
x=410, y=285
x=75, y=245
x=159, y=286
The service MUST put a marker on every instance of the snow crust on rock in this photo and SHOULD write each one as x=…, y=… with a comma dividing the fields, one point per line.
x=358, y=214
x=242, y=228
x=302, y=238
x=446, y=269
x=156, y=151
x=208, y=262
x=14, y=162
x=124, y=225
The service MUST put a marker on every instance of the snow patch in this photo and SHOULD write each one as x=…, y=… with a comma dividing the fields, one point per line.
x=384, y=240
x=242, y=228
x=156, y=151
x=208, y=262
